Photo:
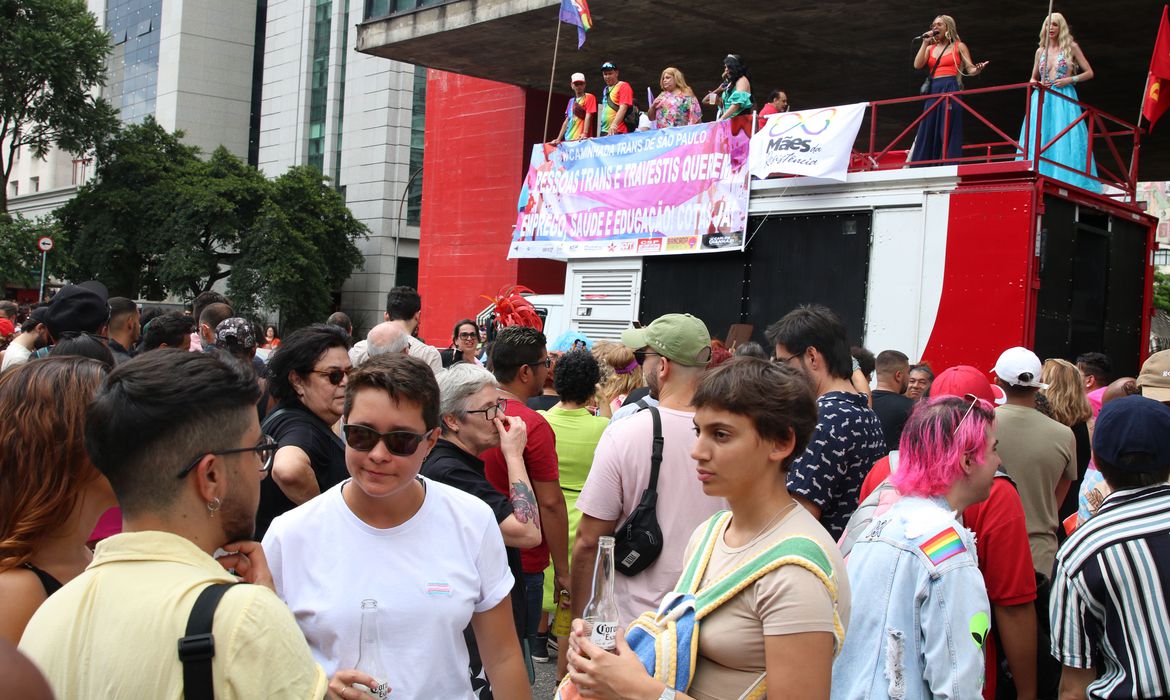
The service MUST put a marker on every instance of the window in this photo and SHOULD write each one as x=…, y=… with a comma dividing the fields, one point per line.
x=34, y=184
x=418, y=121
x=319, y=82
x=14, y=189
x=80, y=171
x=1162, y=257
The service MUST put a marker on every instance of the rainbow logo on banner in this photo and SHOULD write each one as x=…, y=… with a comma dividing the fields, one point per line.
x=943, y=546
x=576, y=13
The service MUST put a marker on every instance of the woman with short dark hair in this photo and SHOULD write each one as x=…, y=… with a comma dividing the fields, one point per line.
x=464, y=344
x=307, y=377
x=51, y=495
x=753, y=419
x=430, y=555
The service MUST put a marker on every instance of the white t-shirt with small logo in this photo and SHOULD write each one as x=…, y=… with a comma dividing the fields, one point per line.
x=429, y=576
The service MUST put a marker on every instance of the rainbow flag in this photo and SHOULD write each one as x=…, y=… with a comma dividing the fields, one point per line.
x=576, y=13
x=943, y=546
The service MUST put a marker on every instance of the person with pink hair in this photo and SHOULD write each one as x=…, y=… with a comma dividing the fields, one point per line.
x=927, y=612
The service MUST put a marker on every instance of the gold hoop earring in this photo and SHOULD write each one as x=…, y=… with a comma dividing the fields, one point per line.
x=212, y=506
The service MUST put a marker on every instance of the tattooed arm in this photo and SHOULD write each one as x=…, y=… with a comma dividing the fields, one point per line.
x=522, y=528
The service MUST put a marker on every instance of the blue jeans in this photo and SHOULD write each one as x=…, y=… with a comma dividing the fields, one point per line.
x=534, y=597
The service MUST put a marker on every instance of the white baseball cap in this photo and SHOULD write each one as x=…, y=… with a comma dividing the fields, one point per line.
x=1019, y=367
x=577, y=78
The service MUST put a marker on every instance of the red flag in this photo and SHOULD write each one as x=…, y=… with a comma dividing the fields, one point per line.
x=1157, y=98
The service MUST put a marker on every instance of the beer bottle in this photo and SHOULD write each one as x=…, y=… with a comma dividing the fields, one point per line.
x=601, y=614
x=563, y=620
x=370, y=652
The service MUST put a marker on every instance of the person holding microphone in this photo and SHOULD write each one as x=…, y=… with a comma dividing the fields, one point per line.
x=947, y=59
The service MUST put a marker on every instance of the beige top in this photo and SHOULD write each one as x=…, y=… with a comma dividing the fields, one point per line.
x=787, y=600
x=1037, y=452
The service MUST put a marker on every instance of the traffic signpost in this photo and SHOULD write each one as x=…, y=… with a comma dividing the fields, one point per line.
x=44, y=244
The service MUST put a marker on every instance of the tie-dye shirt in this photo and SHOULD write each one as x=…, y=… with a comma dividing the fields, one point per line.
x=620, y=94
x=576, y=111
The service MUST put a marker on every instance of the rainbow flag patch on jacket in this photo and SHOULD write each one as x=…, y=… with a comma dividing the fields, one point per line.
x=943, y=546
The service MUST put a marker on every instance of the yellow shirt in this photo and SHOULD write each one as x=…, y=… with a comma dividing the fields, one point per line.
x=113, y=631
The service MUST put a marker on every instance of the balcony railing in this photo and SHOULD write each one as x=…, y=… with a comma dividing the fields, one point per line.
x=1113, y=144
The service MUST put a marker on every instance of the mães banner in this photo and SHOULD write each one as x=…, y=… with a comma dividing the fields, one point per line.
x=812, y=142
x=666, y=191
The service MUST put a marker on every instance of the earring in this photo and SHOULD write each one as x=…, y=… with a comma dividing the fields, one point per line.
x=212, y=506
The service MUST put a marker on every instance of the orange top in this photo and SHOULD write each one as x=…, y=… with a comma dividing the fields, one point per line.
x=947, y=62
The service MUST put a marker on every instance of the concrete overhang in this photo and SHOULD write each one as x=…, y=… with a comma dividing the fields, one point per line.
x=821, y=53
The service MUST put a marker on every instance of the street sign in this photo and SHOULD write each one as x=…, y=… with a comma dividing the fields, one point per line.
x=44, y=244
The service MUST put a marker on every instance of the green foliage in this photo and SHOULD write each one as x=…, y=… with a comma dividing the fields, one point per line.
x=157, y=219
x=20, y=261
x=1162, y=291
x=302, y=251
x=52, y=54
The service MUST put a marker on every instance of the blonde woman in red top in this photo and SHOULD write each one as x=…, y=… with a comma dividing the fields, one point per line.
x=945, y=58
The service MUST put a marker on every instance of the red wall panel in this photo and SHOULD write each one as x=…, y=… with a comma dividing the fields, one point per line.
x=478, y=137
x=985, y=306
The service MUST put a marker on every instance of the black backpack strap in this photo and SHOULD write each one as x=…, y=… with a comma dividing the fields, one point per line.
x=197, y=648
x=642, y=404
x=655, y=449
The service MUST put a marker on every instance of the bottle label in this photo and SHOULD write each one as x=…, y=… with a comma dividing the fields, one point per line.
x=604, y=635
x=380, y=690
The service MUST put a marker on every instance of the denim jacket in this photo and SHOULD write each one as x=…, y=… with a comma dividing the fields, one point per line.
x=920, y=614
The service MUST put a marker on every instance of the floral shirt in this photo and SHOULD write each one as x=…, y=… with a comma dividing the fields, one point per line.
x=677, y=109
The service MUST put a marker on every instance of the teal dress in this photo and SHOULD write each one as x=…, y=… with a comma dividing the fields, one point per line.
x=1059, y=112
x=738, y=98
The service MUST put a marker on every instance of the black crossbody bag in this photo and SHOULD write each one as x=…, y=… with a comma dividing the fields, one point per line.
x=638, y=541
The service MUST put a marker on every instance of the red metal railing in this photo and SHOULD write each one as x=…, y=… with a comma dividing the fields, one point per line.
x=1113, y=144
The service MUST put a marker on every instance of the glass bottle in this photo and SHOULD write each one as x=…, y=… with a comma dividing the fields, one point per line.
x=563, y=620
x=601, y=613
x=370, y=652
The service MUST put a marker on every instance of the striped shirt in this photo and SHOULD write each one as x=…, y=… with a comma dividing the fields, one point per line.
x=1109, y=596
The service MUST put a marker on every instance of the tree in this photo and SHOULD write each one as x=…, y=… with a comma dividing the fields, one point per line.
x=159, y=220
x=52, y=54
x=1162, y=292
x=20, y=263
x=302, y=250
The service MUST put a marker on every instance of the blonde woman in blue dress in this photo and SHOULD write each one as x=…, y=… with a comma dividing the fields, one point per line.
x=1060, y=65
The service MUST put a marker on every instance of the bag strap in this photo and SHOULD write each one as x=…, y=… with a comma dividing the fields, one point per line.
x=197, y=647
x=271, y=417
x=693, y=573
x=797, y=549
x=655, y=450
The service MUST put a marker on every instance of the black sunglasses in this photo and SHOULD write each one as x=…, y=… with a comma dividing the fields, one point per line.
x=547, y=362
x=335, y=375
x=469, y=336
x=400, y=442
x=266, y=450
x=641, y=355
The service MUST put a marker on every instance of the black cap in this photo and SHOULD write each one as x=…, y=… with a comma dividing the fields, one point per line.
x=608, y=65
x=1133, y=434
x=80, y=308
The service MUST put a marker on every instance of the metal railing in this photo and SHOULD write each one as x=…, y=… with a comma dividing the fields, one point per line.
x=1113, y=144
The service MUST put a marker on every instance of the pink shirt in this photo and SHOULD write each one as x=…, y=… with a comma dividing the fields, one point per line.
x=1094, y=397
x=621, y=471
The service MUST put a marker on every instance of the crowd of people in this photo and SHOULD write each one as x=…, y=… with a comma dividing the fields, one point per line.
x=1058, y=142
x=388, y=518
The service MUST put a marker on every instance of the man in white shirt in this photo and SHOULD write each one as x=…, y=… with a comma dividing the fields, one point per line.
x=403, y=308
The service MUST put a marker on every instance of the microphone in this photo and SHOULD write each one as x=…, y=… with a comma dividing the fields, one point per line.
x=925, y=35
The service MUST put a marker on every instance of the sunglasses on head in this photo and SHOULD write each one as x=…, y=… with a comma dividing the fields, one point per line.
x=400, y=442
x=335, y=375
x=974, y=400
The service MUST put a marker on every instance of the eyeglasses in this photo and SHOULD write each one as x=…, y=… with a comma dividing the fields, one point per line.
x=335, y=375
x=492, y=411
x=641, y=355
x=786, y=360
x=547, y=362
x=469, y=336
x=400, y=442
x=974, y=400
x=265, y=450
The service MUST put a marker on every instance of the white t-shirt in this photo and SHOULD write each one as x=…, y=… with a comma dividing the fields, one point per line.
x=16, y=354
x=621, y=471
x=429, y=575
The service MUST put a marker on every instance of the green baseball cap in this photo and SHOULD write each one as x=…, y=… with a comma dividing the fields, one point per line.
x=680, y=338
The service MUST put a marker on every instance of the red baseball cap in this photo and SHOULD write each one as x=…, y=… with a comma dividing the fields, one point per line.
x=6, y=328
x=961, y=380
